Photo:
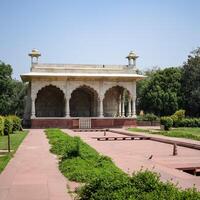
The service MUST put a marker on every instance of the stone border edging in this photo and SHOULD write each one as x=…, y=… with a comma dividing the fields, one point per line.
x=167, y=141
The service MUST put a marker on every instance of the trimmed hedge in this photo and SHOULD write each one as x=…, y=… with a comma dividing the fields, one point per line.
x=189, y=122
x=147, y=117
x=1, y=125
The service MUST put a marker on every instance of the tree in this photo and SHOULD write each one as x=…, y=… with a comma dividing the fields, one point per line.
x=191, y=84
x=12, y=92
x=160, y=92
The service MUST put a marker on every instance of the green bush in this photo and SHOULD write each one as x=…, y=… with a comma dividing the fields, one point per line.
x=144, y=185
x=180, y=114
x=177, y=117
x=189, y=122
x=175, y=120
x=8, y=125
x=1, y=125
x=167, y=122
x=16, y=123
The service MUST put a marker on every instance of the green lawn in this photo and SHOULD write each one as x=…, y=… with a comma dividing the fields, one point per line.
x=140, y=130
x=103, y=179
x=16, y=140
x=79, y=162
x=189, y=133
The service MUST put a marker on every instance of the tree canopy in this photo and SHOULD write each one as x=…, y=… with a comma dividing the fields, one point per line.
x=12, y=92
x=160, y=92
x=191, y=84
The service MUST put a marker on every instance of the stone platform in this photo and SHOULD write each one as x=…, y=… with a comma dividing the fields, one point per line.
x=73, y=123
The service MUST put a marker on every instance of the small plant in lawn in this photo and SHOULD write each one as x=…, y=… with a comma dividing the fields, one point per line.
x=16, y=123
x=1, y=125
x=8, y=125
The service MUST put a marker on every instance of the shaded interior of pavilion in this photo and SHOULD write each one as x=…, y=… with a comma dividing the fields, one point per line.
x=84, y=102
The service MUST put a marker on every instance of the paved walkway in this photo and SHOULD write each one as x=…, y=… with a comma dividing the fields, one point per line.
x=33, y=173
x=132, y=155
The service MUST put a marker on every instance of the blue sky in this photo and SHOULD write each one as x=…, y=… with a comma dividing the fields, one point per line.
x=162, y=33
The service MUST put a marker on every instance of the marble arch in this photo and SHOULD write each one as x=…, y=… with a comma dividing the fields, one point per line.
x=50, y=102
x=84, y=102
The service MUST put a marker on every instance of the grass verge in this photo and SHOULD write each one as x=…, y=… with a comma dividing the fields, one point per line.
x=79, y=162
x=103, y=180
x=189, y=133
x=16, y=139
x=139, y=130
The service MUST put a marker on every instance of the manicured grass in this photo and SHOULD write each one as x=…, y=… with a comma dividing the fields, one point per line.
x=79, y=162
x=16, y=139
x=139, y=130
x=104, y=181
x=189, y=133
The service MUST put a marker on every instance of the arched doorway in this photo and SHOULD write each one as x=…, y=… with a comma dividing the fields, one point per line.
x=84, y=102
x=115, y=103
x=50, y=102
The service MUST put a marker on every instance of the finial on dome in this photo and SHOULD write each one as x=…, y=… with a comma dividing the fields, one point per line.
x=35, y=54
x=132, y=59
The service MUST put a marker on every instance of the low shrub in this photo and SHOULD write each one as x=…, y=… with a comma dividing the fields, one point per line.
x=147, y=117
x=180, y=114
x=142, y=185
x=8, y=125
x=189, y=122
x=175, y=120
x=16, y=123
x=1, y=125
x=167, y=122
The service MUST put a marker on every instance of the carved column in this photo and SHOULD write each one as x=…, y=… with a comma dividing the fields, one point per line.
x=33, y=107
x=123, y=100
x=67, y=108
x=134, y=107
x=120, y=107
x=129, y=107
x=101, y=107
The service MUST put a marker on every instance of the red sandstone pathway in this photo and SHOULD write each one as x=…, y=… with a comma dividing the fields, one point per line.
x=33, y=173
x=132, y=155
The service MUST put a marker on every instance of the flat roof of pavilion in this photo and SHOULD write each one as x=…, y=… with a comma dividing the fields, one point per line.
x=80, y=71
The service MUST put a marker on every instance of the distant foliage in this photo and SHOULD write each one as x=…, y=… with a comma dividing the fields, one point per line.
x=191, y=84
x=189, y=122
x=160, y=92
x=148, y=117
x=12, y=92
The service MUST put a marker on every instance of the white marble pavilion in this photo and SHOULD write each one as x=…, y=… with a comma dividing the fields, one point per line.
x=81, y=96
